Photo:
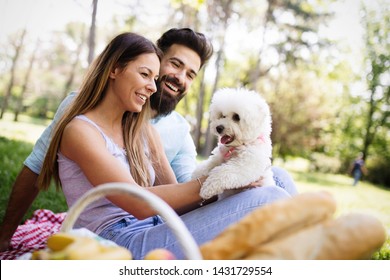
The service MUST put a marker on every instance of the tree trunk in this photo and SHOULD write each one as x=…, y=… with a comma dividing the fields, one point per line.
x=72, y=74
x=92, y=32
x=255, y=74
x=19, y=103
x=18, y=48
x=199, y=111
x=210, y=139
x=226, y=7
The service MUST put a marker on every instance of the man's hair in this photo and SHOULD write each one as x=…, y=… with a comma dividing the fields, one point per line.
x=187, y=37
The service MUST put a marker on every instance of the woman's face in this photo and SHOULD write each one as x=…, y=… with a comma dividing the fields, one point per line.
x=134, y=84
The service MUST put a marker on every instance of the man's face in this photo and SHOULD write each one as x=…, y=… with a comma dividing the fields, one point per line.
x=179, y=67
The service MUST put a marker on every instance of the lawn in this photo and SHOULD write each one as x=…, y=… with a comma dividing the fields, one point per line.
x=12, y=155
x=16, y=142
x=27, y=129
x=363, y=198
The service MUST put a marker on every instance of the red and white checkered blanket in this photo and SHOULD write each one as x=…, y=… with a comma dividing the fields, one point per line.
x=32, y=235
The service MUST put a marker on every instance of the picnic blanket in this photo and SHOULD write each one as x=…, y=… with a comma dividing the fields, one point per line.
x=32, y=235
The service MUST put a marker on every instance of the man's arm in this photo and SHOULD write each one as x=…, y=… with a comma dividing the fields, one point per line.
x=184, y=163
x=23, y=193
x=178, y=144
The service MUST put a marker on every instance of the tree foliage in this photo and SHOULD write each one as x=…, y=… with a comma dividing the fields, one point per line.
x=376, y=120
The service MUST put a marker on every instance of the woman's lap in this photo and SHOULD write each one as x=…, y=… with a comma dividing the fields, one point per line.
x=284, y=180
x=204, y=223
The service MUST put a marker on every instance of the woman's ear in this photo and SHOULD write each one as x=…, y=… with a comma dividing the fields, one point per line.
x=114, y=72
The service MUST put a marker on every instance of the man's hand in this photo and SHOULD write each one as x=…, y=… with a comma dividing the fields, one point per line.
x=5, y=241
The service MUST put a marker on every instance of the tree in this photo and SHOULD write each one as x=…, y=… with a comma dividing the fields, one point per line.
x=375, y=134
x=92, y=32
x=58, y=66
x=293, y=23
x=77, y=34
x=188, y=11
x=302, y=106
x=293, y=26
x=18, y=48
x=19, y=102
x=220, y=12
x=377, y=23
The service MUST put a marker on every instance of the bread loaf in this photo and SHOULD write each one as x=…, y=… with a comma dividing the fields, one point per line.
x=349, y=237
x=270, y=222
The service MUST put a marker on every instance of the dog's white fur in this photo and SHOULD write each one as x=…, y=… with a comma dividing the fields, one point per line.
x=245, y=117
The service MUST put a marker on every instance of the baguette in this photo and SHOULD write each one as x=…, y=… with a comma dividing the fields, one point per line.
x=269, y=222
x=349, y=237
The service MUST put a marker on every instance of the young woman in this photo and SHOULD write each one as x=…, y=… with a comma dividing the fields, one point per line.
x=105, y=136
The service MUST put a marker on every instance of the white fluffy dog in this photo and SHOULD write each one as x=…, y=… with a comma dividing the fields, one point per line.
x=242, y=121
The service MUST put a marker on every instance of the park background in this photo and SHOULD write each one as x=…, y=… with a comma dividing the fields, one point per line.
x=322, y=65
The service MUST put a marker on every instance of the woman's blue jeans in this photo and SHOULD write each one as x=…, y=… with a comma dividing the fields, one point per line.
x=204, y=223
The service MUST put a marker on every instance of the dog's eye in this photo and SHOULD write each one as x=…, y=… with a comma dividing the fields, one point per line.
x=236, y=117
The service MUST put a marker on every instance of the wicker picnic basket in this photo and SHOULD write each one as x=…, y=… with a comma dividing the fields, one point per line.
x=187, y=242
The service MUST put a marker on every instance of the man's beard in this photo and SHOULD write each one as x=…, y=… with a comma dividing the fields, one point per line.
x=163, y=102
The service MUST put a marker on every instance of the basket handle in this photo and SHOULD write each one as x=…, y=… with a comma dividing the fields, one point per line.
x=187, y=242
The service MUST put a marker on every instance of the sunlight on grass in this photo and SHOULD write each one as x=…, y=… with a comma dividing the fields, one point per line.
x=26, y=129
x=364, y=197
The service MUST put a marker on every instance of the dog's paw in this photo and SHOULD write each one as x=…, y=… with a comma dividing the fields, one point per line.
x=268, y=179
x=198, y=173
x=269, y=182
x=208, y=191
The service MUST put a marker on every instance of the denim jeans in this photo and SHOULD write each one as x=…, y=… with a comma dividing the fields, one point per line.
x=357, y=174
x=204, y=223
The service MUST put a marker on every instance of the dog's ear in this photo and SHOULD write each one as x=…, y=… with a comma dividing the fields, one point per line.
x=218, y=104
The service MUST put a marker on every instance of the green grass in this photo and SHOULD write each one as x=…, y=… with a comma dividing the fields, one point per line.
x=364, y=197
x=27, y=129
x=16, y=143
x=12, y=155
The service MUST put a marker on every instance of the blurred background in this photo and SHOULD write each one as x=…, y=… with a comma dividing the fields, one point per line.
x=322, y=65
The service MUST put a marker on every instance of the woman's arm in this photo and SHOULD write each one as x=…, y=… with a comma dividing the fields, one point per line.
x=83, y=144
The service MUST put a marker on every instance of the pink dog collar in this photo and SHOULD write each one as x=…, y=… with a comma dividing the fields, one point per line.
x=228, y=152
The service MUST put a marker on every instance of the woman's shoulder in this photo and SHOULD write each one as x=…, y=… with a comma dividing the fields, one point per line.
x=80, y=129
x=80, y=137
x=81, y=122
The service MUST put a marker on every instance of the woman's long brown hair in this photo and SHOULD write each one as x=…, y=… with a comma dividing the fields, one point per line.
x=136, y=132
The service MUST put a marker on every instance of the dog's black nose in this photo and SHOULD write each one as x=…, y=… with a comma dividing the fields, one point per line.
x=219, y=128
